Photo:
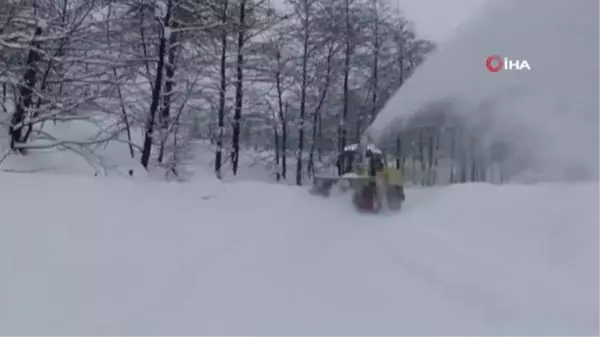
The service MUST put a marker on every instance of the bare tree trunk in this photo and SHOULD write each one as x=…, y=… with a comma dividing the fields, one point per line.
x=342, y=127
x=239, y=92
x=375, y=64
x=398, y=151
x=320, y=137
x=430, y=172
x=222, y=89
x=125, y=118
x=463, y=161
x=317, y=112
x=156, y=91
x=453, y=157
x=165, y=114
x=49, y=67
x=422, y=159
x=25, y=94
x=282, y=118
x=284, y=142
x=474, y=164
x=276, y=142
x=398, y=139
x=303, y=96
x=277, y=153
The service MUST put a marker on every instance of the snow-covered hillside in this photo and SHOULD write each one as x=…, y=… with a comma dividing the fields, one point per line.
x=85, y=255
x=548, y=116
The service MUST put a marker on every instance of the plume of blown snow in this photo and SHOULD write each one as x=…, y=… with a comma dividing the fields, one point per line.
x=549, y=115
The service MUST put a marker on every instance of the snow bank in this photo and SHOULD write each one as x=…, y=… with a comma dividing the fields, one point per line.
x=82, y=255
x=549, y=114
x=79, y=156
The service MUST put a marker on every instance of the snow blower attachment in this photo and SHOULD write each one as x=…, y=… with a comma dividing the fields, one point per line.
x=364, y=171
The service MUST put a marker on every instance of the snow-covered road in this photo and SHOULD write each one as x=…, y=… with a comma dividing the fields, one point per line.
x=100, y=256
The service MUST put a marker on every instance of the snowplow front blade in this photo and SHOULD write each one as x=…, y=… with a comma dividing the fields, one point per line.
x=323, y=185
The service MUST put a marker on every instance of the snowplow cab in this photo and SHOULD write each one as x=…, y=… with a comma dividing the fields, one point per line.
x=351, y=160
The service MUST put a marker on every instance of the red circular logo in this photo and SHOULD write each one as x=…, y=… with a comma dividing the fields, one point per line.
x=494, y=63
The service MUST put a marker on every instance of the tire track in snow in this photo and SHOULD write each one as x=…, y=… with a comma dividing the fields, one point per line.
x=480, y=302
x=502, y=293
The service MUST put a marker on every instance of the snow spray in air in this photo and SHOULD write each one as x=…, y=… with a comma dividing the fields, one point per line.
x=538, y=96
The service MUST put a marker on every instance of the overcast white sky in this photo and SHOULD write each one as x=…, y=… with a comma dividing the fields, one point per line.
x=434, y=19
x=437, y=19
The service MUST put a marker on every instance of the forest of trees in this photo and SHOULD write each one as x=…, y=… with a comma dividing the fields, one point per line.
x=299, y=79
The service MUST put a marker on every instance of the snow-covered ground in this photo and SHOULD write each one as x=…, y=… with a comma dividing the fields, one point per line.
x=85, y=255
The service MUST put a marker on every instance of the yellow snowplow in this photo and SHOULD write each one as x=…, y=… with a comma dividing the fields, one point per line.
x=364, y=171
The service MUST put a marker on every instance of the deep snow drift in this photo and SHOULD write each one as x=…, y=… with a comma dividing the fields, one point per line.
x=95, y=256
x=549, y=115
